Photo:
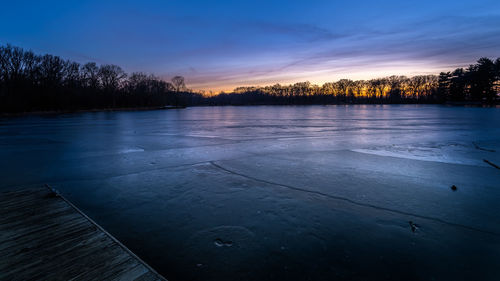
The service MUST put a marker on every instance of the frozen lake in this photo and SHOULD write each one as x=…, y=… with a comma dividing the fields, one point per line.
x=279, y=193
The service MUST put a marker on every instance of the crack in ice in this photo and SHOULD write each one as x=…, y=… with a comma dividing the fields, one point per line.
x=345, y=199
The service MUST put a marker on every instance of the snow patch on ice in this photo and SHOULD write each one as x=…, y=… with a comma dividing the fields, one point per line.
x=454, y=153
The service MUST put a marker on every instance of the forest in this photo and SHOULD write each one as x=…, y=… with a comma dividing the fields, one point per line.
x=30, y=82
x=33, y=83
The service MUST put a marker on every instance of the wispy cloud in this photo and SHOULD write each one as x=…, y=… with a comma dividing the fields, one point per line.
x=222, y=44
x=458, y=42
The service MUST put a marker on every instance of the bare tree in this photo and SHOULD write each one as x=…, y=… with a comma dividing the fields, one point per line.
x=111, y=76
x=178, y=83
x=90, y=75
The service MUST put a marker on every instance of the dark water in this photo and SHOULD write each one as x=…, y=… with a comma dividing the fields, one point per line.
x=275, y=193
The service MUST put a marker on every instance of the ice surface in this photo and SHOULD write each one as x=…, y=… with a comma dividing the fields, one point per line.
x=275, y=193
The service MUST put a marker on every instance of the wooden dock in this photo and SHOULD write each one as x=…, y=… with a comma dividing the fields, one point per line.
x=45, y=237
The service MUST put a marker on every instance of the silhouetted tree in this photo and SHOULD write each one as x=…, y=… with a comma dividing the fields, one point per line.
x=482, y=76
x=178, y=82
x=30, y=82
x=111, y=77
x=90, y=75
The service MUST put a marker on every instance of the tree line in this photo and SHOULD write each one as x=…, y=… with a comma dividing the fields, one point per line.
x=30, y=82
x=393, y=89
x=479, y=83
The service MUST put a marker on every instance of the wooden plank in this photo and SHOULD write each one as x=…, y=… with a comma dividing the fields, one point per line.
x=34, y=226
x=35, y=219
x=148, y=276
x=70, y=263
x=94, y=267
x=55, y=263
x=96, y=272
x=48, y=244
x=29, y=209
x=18, y=198
x=131, y=273
x=39, y=236
x=46, y=237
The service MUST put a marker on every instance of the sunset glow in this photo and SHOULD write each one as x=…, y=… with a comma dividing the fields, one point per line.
x=269, y=140
x=221, y=45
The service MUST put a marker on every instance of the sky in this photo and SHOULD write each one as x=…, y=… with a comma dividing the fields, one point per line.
x=219, y=45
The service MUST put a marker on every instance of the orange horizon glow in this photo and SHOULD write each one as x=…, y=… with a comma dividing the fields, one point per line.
x=216, y=83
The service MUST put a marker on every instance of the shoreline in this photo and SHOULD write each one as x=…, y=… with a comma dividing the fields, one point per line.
x=54, y=112
x=18, y=114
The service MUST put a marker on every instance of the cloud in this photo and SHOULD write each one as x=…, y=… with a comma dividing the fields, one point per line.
x=299, y=31
x=458, y=41
x=222, y=44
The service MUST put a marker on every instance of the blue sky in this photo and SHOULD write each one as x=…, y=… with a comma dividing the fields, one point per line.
x=221, y=44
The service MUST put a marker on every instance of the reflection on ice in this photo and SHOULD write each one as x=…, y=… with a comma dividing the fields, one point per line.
x=279, y=193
